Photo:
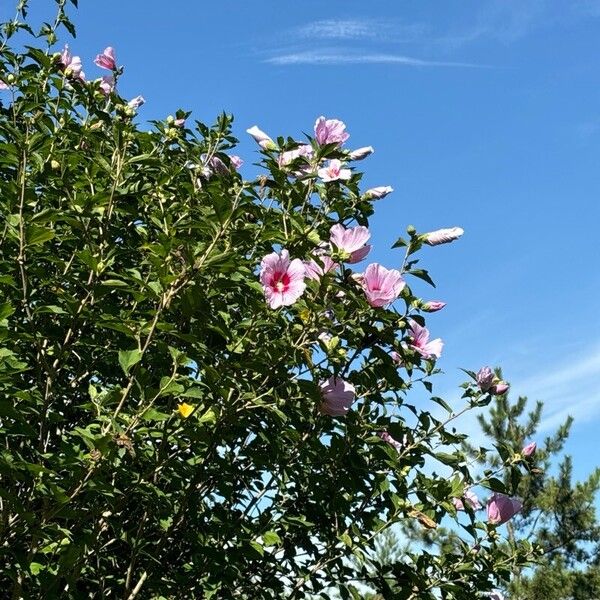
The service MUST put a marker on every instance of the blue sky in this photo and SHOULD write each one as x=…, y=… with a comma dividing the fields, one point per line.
x=483, y=114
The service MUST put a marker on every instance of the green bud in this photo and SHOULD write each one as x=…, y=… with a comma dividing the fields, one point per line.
x=10, y=78
x=54, y=165
x=170, y=120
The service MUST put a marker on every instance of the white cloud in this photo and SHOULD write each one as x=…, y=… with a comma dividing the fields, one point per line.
x=342, y=29
x=341, y=57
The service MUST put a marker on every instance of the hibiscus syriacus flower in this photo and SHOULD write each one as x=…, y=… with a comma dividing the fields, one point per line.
x=282, y=279
x=382, y=286
x=352, y=241
x=501, y=508
x=470, y=498
x=338, y=395
x=71, y=65
x=320, y=265
x=106, y=60
x=333, y=171
x=420, y=342
x=330, y=131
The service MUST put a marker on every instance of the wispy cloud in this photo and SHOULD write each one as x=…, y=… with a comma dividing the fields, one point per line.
x=359, y=29
x=339, y=29
x=568, y=389
x=341, y=57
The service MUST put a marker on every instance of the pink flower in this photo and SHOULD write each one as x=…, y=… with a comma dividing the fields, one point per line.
x=261, y=138
x=136, y=102
x=529, y=450
x=338, y=395
x=433, y=306
x=501, y=508
x=386, y=437
x=315, y=269
x=471, y=499
x=305, y=150
x=443, y=236
x=107, y=84
x=352, y=241
x=396, y=357
x=485, y=378
x=71, y=65
x=330, y=131
x=361, y=153
x=334, y=171
x=236, y=161
x=500, y=388
x=379, y=192
x=179, y=123
x=381, y=286
x=3, y=86
x=421, y=343
x=282, y=279
x=106, y=60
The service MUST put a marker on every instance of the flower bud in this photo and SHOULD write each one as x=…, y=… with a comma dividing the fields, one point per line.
x=361, y=153
x=433, y=306
x=500, y=388
x=54, y=165
x=377, y=193
x=529, y=449
x=442, y=236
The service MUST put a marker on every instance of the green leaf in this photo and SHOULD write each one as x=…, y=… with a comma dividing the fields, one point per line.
x=129, y=358
x=38, y=235
x=271, y=539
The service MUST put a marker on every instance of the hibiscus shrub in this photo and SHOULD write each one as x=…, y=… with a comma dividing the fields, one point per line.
x=201, y=393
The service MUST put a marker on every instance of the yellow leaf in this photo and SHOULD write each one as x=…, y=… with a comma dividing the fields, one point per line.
x=185, y=410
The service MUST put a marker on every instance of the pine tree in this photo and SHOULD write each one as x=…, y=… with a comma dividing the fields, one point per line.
x=558, y=514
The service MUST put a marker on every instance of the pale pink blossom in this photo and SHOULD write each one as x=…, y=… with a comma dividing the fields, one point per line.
x=107, y=84
x=325, y=337
x=71, y=65
x=361, y=153
x=501, y=508
x=334, y=171
x=386, y=437
x=282, y=279
x=443, y=236
x=352, y=241
x=529, y=449
x=433, y=306
x=236, y=161
x=395, y=356
x=379, y=192
x=381, y=286
x=106, y=60
x=330, y=131
x=136, y=102
x=470, y=498
x=261, y=138
x=305, y=150
x=3, y=86
x=179, y=123
x=320, y=265
x=420, y=341
x=338, y=395
x=485, y=378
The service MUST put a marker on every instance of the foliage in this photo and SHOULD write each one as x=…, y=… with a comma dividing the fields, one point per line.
x=558, y=515
x=160, y=424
